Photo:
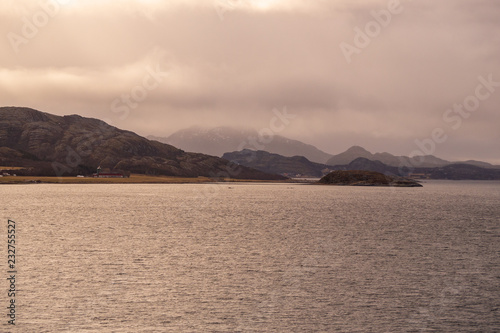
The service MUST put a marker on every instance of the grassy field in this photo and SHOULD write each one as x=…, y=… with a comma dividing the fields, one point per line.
x=134, y=179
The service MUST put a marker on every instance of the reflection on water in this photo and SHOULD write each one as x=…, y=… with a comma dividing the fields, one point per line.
x=256, y=258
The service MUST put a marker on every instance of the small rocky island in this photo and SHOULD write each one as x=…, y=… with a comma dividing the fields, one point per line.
x=366, y=178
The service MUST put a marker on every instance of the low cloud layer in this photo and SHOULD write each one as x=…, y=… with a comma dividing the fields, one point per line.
x=381, y=74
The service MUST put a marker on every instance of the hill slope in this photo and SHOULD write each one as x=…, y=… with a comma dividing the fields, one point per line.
x=274, y=163
x=219, y=140
x=70, y=145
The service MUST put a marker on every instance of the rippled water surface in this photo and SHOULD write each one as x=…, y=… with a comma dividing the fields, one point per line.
x=254, y=258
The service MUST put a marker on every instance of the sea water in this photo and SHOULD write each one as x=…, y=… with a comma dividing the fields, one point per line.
x=253, y=258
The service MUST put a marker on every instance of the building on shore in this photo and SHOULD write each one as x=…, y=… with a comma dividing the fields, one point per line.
x=108, y=175
x=101, y=174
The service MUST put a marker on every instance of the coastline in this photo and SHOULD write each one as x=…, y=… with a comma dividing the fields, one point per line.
x=133, y=179
x=145, y=179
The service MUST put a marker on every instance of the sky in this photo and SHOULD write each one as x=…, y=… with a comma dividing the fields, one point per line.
x=401, y=76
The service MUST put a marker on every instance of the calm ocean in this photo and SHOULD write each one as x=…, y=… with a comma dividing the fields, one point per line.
x=253, y=258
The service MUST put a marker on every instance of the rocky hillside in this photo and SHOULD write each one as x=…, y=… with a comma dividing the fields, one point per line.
x=53, y=145
x=274, y=163
x=463, y=172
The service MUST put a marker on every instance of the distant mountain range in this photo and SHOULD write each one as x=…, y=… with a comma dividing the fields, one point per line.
x=219, y=140
x=356, y=152
x=299, y=166
x=47, y=144
x=427, y=161
x=51, y=145
x=455, y=171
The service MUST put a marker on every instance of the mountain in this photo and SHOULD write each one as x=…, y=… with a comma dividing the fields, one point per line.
x=349, y=155
x=299, y=165
x=53, y=145
x=278, y=164
x=479, y=164
x=427, y=161
x=219, y=140
x=464, y=172
x=365, y=164
x=452, y=171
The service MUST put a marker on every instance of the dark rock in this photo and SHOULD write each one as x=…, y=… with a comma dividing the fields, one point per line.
x=366, y=178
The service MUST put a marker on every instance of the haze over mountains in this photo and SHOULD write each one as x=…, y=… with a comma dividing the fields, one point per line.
x=299, y=166
x=220, y=140
x=395, y=92
x=274, y=163
x=356, y=152
x=70, y=145
x=427, y=161
x=454, y=171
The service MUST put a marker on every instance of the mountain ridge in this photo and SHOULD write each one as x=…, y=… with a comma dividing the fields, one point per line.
x=48, y=144
x=355, y=152
x=224, y=139
x=299, y=166
x=426, y=161
x=219, y=140
x=295, y=166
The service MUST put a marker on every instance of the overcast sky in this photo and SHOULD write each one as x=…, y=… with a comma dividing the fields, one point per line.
x=376, y=73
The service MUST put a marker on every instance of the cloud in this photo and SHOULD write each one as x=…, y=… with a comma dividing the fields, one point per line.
x=260, y=55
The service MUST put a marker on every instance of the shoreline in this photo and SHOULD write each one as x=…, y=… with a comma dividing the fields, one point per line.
x=133, y=179
x=145, y=179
